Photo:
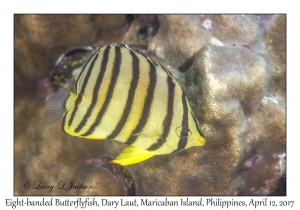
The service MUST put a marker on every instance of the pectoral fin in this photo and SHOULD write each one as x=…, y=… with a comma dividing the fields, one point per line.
x=55, y=105
x=132, y=155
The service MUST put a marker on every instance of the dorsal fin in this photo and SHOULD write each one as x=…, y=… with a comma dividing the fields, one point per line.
x=142, y=54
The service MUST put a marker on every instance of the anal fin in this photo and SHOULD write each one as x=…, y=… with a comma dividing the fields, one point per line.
x=132, y=155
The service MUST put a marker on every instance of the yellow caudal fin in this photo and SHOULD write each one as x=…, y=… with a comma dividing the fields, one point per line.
x=132, y=155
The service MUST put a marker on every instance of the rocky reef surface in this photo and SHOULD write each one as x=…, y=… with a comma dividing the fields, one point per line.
x=232, y=69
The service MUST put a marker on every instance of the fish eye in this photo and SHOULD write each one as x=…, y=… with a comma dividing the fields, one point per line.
x=183, y=132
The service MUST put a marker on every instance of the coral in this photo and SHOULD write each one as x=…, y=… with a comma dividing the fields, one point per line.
x=235, y=93
x=232, y=69
x=42, y=151
x=40, y=39
x=68, y=67
x=141, y=30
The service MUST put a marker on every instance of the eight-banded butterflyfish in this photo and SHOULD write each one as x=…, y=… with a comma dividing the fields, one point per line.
x=123, y=95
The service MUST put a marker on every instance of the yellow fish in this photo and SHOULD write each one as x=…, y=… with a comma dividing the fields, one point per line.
x=125, y=96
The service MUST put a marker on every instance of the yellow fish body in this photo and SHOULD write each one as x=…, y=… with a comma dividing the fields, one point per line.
x=123, y=95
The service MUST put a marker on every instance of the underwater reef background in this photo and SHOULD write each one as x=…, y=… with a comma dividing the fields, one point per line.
x=232, y=69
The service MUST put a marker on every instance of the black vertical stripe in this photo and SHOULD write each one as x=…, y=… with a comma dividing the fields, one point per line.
x=147, y=104
x=159, y=142
x=79, y=98
x=96, y=90
x=197, y=126
x=168, y=118
x=130, y=97
x=114, y=78
x=78, y=78
x=184, y=133
x=64, y=122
